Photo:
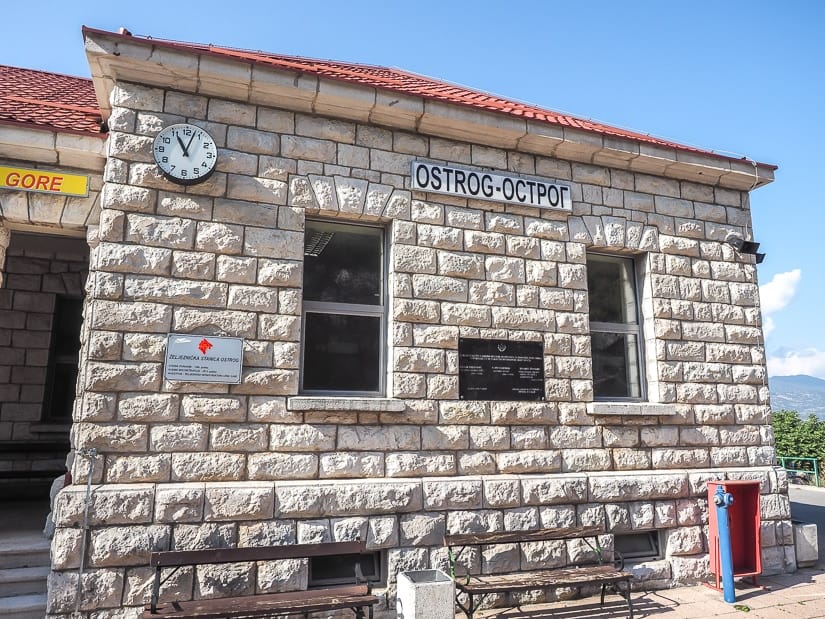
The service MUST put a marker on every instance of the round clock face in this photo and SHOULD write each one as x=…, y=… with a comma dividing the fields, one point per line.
x=186, y=154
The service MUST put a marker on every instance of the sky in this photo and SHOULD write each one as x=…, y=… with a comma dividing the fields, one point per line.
x=740, y=78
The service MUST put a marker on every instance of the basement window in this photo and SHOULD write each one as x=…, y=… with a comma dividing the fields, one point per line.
x=637, y=546
x=340, y=570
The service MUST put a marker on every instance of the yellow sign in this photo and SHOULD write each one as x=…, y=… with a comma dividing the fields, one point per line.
x=44, y=181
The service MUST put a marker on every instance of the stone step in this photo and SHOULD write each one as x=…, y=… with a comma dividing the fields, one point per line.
x=24, y=550
x=23, y=607
x=23, y=581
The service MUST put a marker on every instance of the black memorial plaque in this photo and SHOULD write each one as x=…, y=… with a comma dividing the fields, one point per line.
x=500, y=370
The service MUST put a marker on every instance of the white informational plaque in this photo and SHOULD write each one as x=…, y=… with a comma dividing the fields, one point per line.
x=203, y=359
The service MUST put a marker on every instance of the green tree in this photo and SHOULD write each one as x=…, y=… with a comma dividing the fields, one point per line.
x=797, y=437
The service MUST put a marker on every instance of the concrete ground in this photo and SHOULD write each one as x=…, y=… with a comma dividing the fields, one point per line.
x=800, y=595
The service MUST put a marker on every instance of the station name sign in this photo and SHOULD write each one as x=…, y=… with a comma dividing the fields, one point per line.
x=542, y=193
x=203, y=359
x=43, y=181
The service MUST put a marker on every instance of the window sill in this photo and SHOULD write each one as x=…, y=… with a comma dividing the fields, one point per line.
x=339, y=404
x=632, y=409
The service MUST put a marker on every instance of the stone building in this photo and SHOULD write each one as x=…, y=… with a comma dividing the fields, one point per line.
x=458, y=313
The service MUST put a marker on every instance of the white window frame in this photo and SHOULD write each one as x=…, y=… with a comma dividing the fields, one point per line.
x=636, y=328
x=352, y=309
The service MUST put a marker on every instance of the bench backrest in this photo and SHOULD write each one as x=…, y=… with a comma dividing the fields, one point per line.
x=516, y=537
x=173, y=558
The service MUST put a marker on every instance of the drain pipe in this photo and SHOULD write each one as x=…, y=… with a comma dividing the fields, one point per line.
x=91, y=455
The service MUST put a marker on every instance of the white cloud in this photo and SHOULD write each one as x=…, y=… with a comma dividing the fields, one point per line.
x=778, y=292
x=809, y=361
x=767, y=325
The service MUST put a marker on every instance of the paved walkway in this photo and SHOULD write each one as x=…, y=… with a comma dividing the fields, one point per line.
x=800, y=595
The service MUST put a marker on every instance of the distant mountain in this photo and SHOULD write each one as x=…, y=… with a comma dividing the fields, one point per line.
x=805, y=394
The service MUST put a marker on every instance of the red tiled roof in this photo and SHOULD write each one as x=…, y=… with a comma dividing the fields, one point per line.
x=396, y=80
x=48, y=100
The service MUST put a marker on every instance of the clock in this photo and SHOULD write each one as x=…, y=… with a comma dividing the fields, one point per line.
x=186, y=154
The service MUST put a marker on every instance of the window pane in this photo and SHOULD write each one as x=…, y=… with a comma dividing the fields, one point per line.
x=342, y=352
x=612, y=295
x=615, y=365
x=342, y=264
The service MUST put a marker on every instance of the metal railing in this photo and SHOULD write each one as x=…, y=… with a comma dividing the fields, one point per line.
x=800, y=469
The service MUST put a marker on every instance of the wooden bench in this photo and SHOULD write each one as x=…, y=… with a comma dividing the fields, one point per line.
x=357, y=597
x=596, y=571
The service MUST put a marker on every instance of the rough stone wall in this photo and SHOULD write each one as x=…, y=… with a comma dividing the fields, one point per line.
x=192, y=465
x=32, y=280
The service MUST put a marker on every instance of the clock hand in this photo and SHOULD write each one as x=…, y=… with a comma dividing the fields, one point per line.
x=185, y=148
x=190, y=144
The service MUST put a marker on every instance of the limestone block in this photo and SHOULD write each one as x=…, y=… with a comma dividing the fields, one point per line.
x=491, y=293
x=440, y=237
x=474, y=521
x=684, y=541
x=129, y=545
x=590, y=515
x=253, y=298
x=271, y=243
x=581, y=437
x=239, y=437
x=65, y=549
x=263, y=466
x=529, y=437
x=680, y=458
x=413, y=259
x=529, y=461
x=416, y=311
x=606, y=487
x=279, y=273
x=554, y=489
x=209, y=408
x=137, y=590
x=488, y=437
x=256, y=189
x=439, y=288
x=234, y=501
x=100, y=589
x=128, y=198
x=423, y=529
x=176, y=503
x=133, y=259
x=174, y=291
x=224, y=580
x=152, y=230
x=546, y=229
x=274, y=382
x=505, y=269
x=477, y=463
x=211, y=466
x=382, y=532
x=344, y=465
x=372, y=497
x=302, y=437
x=510, y=413
x=617, y=517
x=500, y=492
x=193, y=265
x=418, y=360
x=499, y=558
x=204, y=536
x=150, y=468
x=112, y=504
x=418, y=464
x=452, y=494
x=178, y=437
x=453, y=264
x=631, y=459
x=96, y=407
x=521, y=519
x=279, y=328
x=379, y=438
x=574, y=460
x=219, y=238
x=112, y=438
x=543, y=555
x=557, y=516
x=469, y=315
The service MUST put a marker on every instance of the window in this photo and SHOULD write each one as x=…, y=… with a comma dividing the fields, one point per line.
x=344, y=309
x=341, y=570
x=615, y=333
x=643, y=545
x=61, y=376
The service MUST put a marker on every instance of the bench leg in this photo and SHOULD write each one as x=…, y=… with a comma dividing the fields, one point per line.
x=604, y=587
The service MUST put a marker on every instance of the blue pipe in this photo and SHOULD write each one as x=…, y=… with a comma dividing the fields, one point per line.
x=723, y=500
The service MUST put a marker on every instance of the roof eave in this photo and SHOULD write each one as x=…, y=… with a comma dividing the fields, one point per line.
x=70, y=149
x=114, y=57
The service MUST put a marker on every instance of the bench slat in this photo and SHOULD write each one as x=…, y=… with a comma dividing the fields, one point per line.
x=515, y=537
x=523, y=581
x=174, y=558
x=313, y=600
